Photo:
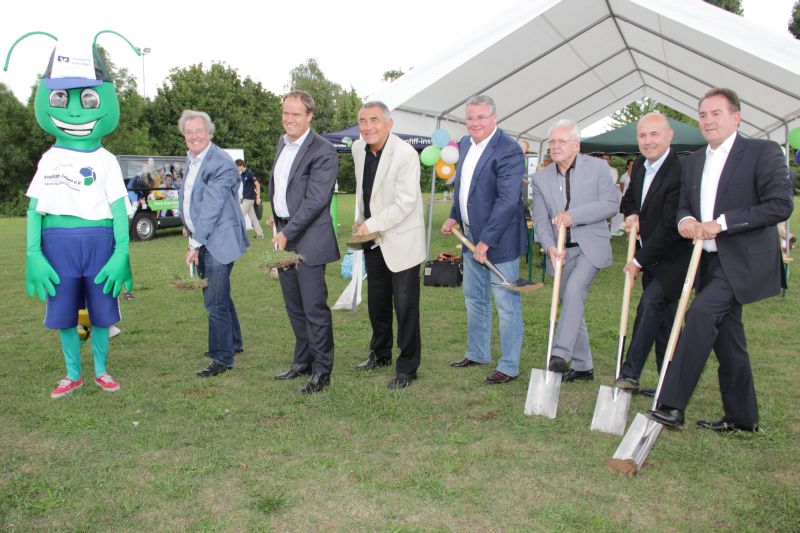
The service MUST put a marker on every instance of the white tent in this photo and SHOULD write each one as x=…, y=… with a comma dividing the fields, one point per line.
x=584, y=59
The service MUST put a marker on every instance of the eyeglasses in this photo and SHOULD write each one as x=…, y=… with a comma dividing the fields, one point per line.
x=189, y=133
x=479, y=118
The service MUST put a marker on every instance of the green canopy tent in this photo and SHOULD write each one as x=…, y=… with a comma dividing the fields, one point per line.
x=623, y=140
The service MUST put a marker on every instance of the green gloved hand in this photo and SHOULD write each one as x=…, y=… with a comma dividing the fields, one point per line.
x=39, y=276
x=115, y=273
x=117, y=270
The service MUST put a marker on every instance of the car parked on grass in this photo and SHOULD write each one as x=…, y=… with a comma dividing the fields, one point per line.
x=152, y=183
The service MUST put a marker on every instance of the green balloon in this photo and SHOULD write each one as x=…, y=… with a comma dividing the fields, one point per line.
x=794, y=138
x=430, y=155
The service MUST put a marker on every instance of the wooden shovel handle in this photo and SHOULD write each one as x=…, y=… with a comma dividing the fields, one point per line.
x=558, y=267
x=683, y=304
x=626, y=291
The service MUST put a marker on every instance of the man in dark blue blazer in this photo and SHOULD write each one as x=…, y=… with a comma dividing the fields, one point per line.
x=300, y=192
x=488, y=205
x=733, y=193
x=209, y=201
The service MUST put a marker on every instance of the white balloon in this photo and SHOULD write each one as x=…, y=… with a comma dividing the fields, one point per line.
x=450, y=154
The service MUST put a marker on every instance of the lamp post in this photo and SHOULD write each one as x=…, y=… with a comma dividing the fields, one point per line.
x=144, y=51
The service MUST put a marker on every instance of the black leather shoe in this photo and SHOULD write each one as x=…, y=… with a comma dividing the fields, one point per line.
x=577, y=375
x=373, y=361
x=295, y=371
x=650, y=393
x=667, y=416
x=722, y=426
x=316, y=383
x=628, y=384
x=400, y=381
x=464, y=363
x=558, y=364
x=214, y=369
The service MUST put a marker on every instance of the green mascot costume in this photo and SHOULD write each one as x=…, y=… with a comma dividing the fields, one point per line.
x=77, y=232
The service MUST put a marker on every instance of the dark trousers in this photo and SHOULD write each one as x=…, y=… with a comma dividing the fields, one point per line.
x=385, y=288
x=224, y=332
x=713, y=321
x=654, y=317
x=305, y=295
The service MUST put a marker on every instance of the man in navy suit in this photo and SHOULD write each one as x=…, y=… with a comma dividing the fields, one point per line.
x=209, y=201
x=487, y=204
x=733, y=193
x=662, y=255
x=300, y=191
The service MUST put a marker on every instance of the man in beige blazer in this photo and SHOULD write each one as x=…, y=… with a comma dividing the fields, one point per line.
x=389, y=202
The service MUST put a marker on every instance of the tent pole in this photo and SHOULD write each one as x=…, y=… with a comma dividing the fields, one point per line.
x=432, y=198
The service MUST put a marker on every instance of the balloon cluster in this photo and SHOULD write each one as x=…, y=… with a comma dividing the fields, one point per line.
x=794, y=142
x=442, y=154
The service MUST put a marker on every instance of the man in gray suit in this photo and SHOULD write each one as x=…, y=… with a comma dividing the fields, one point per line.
x=209, y=201
x=575, y=191
x=300, y=192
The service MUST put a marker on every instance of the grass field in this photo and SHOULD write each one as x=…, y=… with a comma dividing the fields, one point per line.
x=244, y=452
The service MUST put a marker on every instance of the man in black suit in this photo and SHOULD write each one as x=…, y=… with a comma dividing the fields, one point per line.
x=662, y=256
x=300, y=191
x=733, y=193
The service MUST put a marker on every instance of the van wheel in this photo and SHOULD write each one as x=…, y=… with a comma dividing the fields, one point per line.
x=144, y=226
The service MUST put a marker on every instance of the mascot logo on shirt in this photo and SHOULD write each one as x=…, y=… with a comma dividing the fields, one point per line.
x=88, y=175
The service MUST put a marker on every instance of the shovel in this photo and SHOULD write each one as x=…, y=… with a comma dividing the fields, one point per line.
x=545, y=386
x=359, y=242
x=521, y=285
x=611, y=409
x=641, y=436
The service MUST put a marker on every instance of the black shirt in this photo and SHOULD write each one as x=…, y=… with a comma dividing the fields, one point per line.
x=370, y=168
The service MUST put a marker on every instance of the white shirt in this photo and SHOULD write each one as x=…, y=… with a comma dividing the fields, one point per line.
x=188, y=184
x=282, y=169
x=468, y=169
x=650, y=171
x=77, y=183
x=709, y=183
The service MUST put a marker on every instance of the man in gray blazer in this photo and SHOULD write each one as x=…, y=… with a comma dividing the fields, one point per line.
x=209, y=201
x=300, y=192
x=575, y=191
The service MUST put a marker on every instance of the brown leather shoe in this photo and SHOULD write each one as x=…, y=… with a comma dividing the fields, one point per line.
x=498, y=378
x=464, y=363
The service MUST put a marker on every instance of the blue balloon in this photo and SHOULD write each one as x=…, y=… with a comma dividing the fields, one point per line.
x=440, y=138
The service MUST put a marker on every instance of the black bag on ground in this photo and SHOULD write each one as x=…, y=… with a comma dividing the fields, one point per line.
x=442, y=274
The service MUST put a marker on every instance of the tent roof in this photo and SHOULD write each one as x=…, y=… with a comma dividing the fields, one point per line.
x=548, y=59
x=686, y=138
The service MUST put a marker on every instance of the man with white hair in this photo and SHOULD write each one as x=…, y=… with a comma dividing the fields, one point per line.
x=575, y=191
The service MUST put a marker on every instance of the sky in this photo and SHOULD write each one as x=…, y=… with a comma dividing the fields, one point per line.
x=354, y=42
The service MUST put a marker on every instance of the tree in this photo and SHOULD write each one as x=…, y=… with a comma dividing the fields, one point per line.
x=391, y=75
x=19, y=151
x=734, y=6
x=635, y=110
x=794, y=22
x=245, y=114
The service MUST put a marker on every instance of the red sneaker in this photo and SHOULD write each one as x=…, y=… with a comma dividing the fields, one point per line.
x=107, y=383
x=65, y=386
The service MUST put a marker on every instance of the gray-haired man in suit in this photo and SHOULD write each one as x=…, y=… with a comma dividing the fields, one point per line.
x=209, y=201
x=575, y=191
x=300, y=191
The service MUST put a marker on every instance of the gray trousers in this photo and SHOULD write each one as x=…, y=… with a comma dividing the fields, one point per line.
x=572, y=338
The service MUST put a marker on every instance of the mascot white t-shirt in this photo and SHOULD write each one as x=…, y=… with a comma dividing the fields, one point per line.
x=76, y=183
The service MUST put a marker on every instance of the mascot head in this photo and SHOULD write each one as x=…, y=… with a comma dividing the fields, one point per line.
x=76, y=100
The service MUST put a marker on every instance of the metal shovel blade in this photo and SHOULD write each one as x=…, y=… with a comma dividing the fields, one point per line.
x=523, y=285
x=635, y=446
x=611, y=410
x=543, y=391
